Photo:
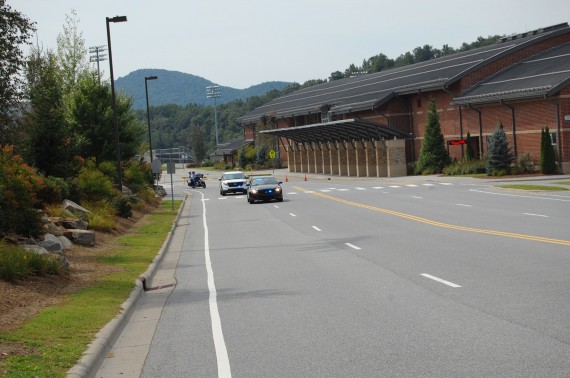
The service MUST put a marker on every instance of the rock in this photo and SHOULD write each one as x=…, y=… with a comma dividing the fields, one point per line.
x=81, y=237
x=52, y=244
x=53, y=228
x=35, y=249
x=76, y=209
x=78, y=224
x=65, y=242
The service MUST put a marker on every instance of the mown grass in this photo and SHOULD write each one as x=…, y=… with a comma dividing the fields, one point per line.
x=563, y=183
x=532, y=187
x=60, y=335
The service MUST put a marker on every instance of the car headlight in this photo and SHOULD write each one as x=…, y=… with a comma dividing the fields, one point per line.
x=253, y=191
x=225, y=183
x=277, y=189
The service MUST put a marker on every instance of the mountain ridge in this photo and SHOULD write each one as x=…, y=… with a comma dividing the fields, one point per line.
x=175, y=87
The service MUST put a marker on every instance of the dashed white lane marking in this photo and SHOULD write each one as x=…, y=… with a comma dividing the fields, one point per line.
x=291, y=214
x=359, y=188
x=222, y=359
x=445, y=183
x=352, y=246
x=411, y=185
x=326, y=190
x=464, y=205
x=536, y=215
x=440, y=280
x=395, y=186
x=343, y=190
x=417, y=197
x=428, y=184
x=277, y=207
x=377, y=187
x=292, y=193
x=316, y=228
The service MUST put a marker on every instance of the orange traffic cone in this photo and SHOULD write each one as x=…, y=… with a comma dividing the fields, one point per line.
x=305, y=177
x=286, y=179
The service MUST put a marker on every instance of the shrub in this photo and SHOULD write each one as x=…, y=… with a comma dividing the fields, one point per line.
x=109, y=169
x=55, y=190
x=471, y=167
x=102, y=216
x=547, y=153
x=17, y=263
x=138, y=176
x=526, y=164
x=19, y=184
x=122, y=206
x=500, y=156
x=94, y=185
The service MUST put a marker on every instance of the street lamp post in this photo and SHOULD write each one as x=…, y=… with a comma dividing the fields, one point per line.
x=146, y=79
x=116, y=121
x=214, y=92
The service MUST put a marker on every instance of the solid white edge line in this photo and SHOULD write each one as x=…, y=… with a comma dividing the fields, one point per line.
x=352, y=246
x=219, y=343
x=440, y=280
x=316, y=228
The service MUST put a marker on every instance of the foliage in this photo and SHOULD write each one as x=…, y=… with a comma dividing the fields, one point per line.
x=468, y=149
x=92, y=119
x=433, y=154
x=137, y=175
x=109, y=169
x=19, y=184
x=547, y=153
x=17, y=263
x=16, y=32
x=50, y=145
x=261, y=156
x=526, y=164
x=247, y=155
x=102, y=215
x=500, y=157
x=467, y=167
x=71, y=52
x=94, y=185
x=197, y=138
x=55, y=190
x=123, y=207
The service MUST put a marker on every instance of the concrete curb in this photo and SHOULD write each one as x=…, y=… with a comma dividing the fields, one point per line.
x=107, y=336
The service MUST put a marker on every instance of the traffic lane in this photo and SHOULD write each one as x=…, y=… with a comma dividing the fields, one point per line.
x=182, y=344
x=467, y=208
x=295, y=306
x=511, y=278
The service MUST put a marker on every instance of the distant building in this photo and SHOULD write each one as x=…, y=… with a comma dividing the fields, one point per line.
x=372, y=125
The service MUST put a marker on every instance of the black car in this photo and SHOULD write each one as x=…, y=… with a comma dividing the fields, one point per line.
x=264, y=188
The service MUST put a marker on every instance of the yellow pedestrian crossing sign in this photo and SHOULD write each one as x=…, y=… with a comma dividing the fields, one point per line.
x=272, y=154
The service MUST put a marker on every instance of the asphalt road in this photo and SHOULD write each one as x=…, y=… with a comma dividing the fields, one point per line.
x=408, y=277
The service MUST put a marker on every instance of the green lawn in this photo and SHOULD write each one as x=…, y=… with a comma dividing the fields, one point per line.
x=532, y=187
x=60, y=335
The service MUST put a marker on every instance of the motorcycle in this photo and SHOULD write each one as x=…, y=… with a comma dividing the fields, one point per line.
x=197, y=182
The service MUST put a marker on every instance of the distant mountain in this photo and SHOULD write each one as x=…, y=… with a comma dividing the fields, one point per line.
x=180, y=88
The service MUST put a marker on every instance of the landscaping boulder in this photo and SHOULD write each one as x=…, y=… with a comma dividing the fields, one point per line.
x=74, y=224
x=74, y=208
x=81, y=237
x=52, y=228
x=65, y=242
x=35, y=249
x=52, y=244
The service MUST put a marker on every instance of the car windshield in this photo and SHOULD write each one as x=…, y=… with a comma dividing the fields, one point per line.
x=264, y=181
x=233, y=176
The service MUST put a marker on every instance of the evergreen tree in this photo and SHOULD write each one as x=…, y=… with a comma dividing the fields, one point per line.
x=500, y=156
x=16, y=32
x=468, y=150
x=198, y=143
x=433, y=154
x=547, y=153
x=49, y=144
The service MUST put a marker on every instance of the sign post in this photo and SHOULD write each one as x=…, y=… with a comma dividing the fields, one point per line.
x=272, y=156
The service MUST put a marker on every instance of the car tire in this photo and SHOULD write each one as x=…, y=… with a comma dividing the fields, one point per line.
x=222, y=192
x=250, y=200
x=280, y=200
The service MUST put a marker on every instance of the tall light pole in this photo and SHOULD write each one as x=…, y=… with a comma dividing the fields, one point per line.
x=146, y=79
x=116, y=121
x=98, y=57
x=214, y=92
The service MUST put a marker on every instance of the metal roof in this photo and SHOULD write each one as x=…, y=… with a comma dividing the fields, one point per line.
x=541, y=75
x=372, y=90
x=358, y=130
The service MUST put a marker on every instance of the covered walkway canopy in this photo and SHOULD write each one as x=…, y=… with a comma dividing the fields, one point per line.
x=344, y=130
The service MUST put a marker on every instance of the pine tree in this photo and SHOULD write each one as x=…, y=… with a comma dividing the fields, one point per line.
x=500, y=156
x=547, y=153
x=468, y=150
x=433, y=154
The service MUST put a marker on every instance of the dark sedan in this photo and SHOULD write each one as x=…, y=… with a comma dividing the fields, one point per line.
x=264, y=188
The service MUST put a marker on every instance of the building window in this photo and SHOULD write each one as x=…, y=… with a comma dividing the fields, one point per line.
x=553, y=138
x=324, y=117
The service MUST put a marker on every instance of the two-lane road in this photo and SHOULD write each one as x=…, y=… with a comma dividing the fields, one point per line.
x=367, y=279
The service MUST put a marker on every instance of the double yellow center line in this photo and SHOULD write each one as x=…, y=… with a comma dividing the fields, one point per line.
x=439, y=224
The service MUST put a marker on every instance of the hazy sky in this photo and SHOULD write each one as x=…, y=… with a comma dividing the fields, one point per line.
x=242, y=43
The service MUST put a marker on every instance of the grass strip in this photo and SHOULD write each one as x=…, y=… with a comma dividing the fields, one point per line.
x=60, y=335
x=532, y=187
x=563, y=183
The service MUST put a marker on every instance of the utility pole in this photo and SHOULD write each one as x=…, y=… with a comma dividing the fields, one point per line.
x=97, y=55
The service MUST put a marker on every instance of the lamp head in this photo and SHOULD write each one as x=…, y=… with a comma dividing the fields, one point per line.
x=117, y=19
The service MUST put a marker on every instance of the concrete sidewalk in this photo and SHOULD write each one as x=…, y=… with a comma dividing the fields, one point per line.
x=121, y=347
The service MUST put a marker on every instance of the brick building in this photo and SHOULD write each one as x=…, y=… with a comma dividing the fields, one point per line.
x=372, y=125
